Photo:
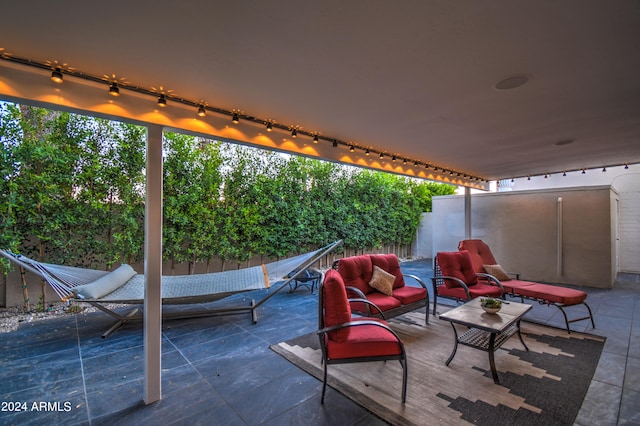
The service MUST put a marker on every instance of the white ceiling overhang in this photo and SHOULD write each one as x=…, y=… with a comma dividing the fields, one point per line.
x=412, y=79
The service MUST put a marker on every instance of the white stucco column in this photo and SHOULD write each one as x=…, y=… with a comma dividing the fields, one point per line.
x=153, y=266
x=467, y=213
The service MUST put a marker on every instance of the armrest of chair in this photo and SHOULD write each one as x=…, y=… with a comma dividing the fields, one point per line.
x=491, y=279
x=417, y=279
x=369, y=304
x=457, y=280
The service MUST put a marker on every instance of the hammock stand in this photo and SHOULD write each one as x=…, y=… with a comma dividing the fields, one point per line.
x=180, y=289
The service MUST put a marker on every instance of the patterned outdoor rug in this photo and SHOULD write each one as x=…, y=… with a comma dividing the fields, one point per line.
x=544, y=386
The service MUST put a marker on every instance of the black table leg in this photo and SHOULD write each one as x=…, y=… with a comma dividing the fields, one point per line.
x=521, y=339
x=455, y=345
x=492, y=361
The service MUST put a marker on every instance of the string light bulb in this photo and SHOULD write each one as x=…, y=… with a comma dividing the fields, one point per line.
x=56, y=75
x=114, y=90
x=162, y=101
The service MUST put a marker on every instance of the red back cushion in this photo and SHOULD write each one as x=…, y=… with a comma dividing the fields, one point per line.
x=480, y=253
x=336, y=308
x=356, y=272
x=457, y=264
x=390, y=263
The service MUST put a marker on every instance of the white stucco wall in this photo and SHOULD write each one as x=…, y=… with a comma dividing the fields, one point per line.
x=527, y=235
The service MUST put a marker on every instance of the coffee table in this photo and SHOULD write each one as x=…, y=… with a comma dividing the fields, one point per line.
x=487, y=332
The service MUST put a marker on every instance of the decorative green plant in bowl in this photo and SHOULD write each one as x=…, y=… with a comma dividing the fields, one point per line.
x=491, y=305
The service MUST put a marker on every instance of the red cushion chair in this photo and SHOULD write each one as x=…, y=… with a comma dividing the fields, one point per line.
x=548, y=294
x=455, y=278
x=344, y=339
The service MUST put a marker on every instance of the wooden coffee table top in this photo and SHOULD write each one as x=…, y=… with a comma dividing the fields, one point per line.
x=471, y=314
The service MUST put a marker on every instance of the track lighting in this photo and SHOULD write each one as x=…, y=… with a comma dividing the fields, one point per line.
x=604, y=169
x=235, y=119
x=269, y=127
x=583, y=172
x=162, y=101
x=626, y=166
x=114, y=90
x=56, y=75
x=335, y=143
x=393, y=158
x=315, y=138
x=416, y=164
x=351, y=148
x=201, y=111
x=381, y=156
x=564, y=173
x=367, y=152
x=404, y=161
x=294, y=133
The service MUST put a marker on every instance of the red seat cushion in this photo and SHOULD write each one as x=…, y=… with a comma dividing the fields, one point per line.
x=480, y=254
x=356, y=272
x=409, y=294
x=479, y=290
x=364, y=341
x=391, y=264
x=562, y=295
x=457, y=264
x=336, y=307
x=513, y=286
x=383, y=301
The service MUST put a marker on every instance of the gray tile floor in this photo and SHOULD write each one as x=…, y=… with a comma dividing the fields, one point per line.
x=220, y=370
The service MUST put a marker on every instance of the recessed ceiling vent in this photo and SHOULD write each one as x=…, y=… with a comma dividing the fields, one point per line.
x=513, y=82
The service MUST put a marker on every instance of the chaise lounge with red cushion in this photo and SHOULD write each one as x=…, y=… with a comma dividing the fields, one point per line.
x=561, y=297
x=379, y=279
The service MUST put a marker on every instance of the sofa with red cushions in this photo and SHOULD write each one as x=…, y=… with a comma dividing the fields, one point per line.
x=379, y=279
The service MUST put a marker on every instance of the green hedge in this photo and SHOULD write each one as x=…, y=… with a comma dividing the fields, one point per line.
x=73, y=192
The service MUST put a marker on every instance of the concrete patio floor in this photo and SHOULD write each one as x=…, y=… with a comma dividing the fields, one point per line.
x=220, y=370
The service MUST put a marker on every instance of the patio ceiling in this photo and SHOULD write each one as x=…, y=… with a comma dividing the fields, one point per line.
x=416, y=79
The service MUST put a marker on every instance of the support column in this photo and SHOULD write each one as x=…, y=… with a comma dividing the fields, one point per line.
x=153, y=267
x=467, y=213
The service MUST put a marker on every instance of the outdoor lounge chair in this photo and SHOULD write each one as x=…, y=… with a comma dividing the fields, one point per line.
x=454, y=278
x=546, y=294
x=344, y=339
x=125, y=286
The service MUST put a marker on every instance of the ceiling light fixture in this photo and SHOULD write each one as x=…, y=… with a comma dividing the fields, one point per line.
x=201, y=110
x=367, y=152
x=56, y=75
x=114, y=90
x=294, y=133
x=381, y=156
x=315, y=138
x=335, y=143
x=235, y=119
x=513, y=82
x=351, y=148
x=269, y=127
x=162, y=101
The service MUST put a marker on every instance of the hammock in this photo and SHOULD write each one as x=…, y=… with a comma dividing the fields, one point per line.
x=124, y=286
